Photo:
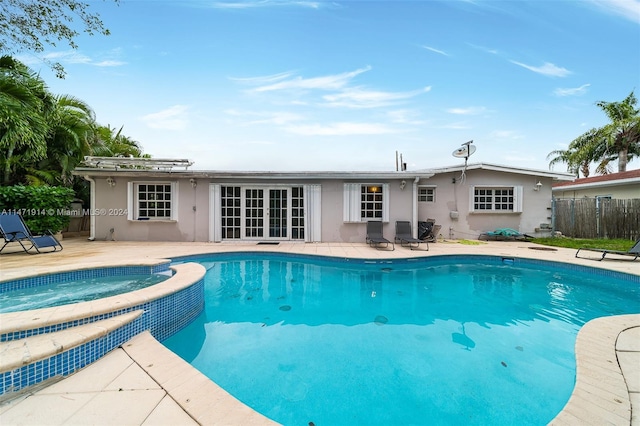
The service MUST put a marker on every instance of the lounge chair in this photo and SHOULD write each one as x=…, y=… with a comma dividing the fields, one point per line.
x=374, y=236
x=405, y=237
x=504, y=234
x=633, y=251
x=14, y=230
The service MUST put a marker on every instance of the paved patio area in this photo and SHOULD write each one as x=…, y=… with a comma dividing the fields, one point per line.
x=142, y=383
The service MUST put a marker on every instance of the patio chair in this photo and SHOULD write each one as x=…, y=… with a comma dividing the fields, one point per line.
x=504, y=234
x=405, y=236
x=14, y=230
x=374, y=236
x=633, y=251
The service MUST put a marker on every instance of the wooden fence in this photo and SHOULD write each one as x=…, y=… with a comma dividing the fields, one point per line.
x=597, y=218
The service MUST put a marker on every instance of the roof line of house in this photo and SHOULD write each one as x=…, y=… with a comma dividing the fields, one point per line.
x=205, y=174
x=507, y=169
x=218, y=174
x=596, y=184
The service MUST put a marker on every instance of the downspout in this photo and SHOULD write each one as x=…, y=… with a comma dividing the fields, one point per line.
x=414, y=207
x=92, y=207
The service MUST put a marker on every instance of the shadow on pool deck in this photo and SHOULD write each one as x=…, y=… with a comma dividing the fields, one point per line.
x=142, y=383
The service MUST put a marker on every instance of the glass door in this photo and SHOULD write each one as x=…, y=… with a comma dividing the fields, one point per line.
x=278, y=210
x=254, y=214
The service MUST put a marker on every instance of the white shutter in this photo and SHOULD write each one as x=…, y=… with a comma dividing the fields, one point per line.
x=472, y=191
x=174, y=200
x=385, y=202
x=131, y=195
x=312, y=213
x=351, y=203
x=215, y=213
x=517, y=198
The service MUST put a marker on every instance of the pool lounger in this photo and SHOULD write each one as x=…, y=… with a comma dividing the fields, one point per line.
x=15, y=230
x=633, y=251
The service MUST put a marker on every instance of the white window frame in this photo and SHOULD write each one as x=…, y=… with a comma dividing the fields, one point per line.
x=426, y=187
x=517, y=198
x=133, y=211
x=352, y=202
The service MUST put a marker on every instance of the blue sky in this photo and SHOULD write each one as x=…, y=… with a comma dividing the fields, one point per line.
x=343, y=85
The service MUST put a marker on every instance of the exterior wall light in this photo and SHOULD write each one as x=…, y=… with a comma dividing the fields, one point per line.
x=111, y=181
x=538, y=186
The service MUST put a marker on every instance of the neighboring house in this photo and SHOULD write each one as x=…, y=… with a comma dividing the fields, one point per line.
x=623, y=185
x=149, y=200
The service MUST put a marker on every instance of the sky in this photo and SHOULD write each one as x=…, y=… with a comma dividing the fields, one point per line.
x=352, y=85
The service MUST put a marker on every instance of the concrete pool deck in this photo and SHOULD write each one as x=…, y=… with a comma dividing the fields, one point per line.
x=142, y=383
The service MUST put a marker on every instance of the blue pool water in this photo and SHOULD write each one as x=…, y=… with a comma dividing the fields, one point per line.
x=435, y=341
x=74, y=291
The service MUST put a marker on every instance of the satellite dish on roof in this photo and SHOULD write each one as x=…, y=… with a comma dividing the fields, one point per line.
x=465, y=151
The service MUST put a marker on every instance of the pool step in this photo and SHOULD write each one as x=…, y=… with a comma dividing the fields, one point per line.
x=18, y=353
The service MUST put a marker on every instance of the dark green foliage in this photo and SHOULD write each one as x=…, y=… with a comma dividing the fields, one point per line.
x=42, y=207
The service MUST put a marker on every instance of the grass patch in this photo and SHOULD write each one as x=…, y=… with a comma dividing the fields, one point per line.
x=470, y=242
x=576, y=243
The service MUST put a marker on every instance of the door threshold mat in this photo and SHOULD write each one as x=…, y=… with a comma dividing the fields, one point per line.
x=268, y=243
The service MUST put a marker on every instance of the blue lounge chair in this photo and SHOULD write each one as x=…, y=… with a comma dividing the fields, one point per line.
x=405, y=236
x=14, y=230
x=633, y=251
x=374, y=236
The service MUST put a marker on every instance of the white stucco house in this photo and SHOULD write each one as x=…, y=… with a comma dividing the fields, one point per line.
x=162, y=200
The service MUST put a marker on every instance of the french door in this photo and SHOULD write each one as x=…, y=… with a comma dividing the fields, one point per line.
x=263, y=212
x=266, y=213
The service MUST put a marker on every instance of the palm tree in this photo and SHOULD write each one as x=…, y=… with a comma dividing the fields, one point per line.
x=622, y=135
x=24, y=103
x=72, y=130
x=115, y=144
x=618, y=140
x=581, y=152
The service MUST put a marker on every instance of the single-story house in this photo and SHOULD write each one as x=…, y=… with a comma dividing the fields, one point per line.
x=622, y=185
x=157, y=200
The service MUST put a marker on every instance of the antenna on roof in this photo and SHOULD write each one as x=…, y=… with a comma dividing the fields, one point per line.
x=464, y=152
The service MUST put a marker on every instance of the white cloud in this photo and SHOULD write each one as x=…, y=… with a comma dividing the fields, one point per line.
x=360, y=98
x=172, y=118
x=69, y=57
x=629, y=9
x=279, y=118
x=467, y=111
x=484, y=49
x=404, y=116
x=329, y=82
x=547, y=69
x=263, y=3
x=505, y=134
x=108, y=63
x=341, y=129
x=433, y=49
x=571, y=91
x=455, y=126
x=263, y=79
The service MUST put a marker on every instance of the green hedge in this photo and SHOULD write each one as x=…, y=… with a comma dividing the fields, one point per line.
x=42, y=207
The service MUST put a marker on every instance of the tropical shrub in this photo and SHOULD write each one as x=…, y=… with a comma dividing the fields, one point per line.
x=44, y=208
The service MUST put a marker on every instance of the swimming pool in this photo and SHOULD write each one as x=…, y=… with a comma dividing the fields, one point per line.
x=78, y=286
x=438, y=340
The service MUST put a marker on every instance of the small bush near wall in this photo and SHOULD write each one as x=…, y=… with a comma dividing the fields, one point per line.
x=42, y=207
